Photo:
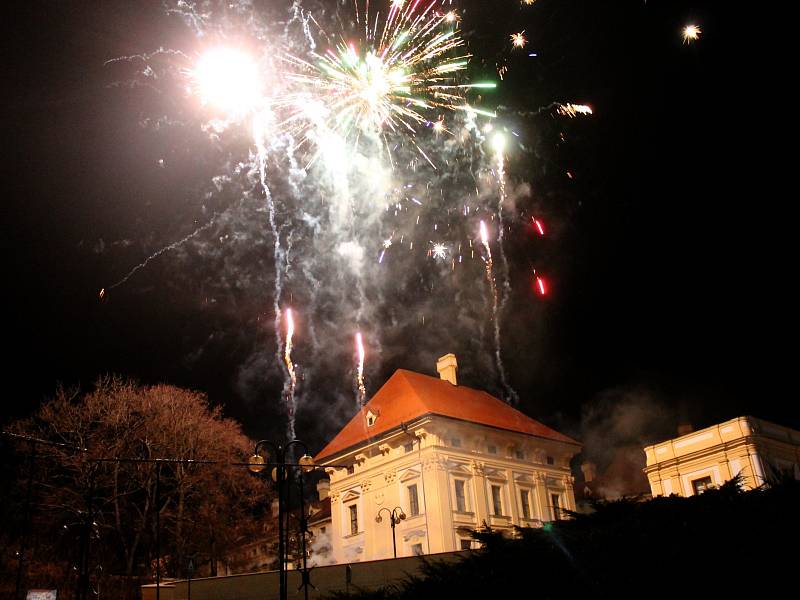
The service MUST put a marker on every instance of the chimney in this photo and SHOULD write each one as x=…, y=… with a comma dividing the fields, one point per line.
x=323, y=488
x=447, y=367
x=589, y=471
x=684, y=428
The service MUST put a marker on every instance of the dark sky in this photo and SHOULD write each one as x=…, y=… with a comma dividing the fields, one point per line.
x=663, y=257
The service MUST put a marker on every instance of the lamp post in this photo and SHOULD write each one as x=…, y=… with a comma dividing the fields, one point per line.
x=282, y=475
x=394, y=519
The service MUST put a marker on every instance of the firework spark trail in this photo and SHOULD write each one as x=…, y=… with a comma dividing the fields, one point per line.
x=155, y=255
x=279, y=258
x=497, y=311
x=361, y=396
x=290, y=385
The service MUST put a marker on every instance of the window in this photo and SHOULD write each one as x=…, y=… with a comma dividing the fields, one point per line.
x=551, y=460
x=455, y=443
x=519, y=453
x=409, y=447
x=556, y=502
x=492, y=449
x=413, y=500
x=497, y=501
x=524, y=500
x=353, y=519
x=416, y=549
x=461, y=496
x=701, y=485
x=466, y=544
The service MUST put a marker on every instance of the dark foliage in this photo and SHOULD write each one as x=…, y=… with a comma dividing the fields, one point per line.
x=724, y=541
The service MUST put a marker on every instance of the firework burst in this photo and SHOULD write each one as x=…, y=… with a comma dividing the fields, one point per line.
x=691, y=33
x=404, y=66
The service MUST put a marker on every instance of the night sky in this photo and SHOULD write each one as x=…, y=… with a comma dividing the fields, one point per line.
x=662, y=254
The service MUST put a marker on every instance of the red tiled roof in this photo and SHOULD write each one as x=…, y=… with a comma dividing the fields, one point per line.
x=408, y=395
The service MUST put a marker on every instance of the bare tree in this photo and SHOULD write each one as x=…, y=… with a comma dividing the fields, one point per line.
x=204, y=508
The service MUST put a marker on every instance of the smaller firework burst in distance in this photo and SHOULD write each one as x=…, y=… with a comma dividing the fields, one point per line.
x=518, y=40
x=691, y=33
x=528, y=2
x=439, y=251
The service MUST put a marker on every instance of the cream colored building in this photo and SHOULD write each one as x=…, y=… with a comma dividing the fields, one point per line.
x=756, y=449
x=450, y=458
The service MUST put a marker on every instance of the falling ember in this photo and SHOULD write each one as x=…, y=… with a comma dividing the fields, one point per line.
x=287, y=354
x=540, y=286
x=290, y=385
x=362, y=390
x=691, y=33
x=539, y=226
x=485, y=239
x=518, y=40
x=102, y=293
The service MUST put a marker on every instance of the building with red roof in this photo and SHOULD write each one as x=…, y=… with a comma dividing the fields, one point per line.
x=426, y=461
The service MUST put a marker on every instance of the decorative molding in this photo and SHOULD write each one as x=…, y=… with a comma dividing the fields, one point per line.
x=384, y=449
x=361, y=458
x=409, y=474
x=435, y=463
x=366, y=485
x=477, y=468
x=390, y=476
x=496, y=474
x=413, y=534
x=457, y=467
x=379, y=498
x=523, y=477
x=351, y=495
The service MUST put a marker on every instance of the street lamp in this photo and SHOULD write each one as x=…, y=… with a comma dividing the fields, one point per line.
x=394, y=519
x=282, y=474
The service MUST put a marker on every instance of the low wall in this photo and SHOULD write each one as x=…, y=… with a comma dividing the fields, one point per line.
x=369, y=575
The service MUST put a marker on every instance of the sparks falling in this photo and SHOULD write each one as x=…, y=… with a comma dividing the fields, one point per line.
x=538, y=225
x=573, y=110
x=362, y=389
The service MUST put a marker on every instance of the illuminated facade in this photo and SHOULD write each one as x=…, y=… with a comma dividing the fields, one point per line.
x=755, y=449
x=451, y=458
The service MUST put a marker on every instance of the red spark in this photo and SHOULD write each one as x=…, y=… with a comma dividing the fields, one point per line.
x=541, y=286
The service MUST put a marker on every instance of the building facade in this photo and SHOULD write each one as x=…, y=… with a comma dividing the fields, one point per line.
x=755, y=449
x=449, y=459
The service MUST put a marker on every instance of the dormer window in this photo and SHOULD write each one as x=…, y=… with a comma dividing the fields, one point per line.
x=371, y=418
